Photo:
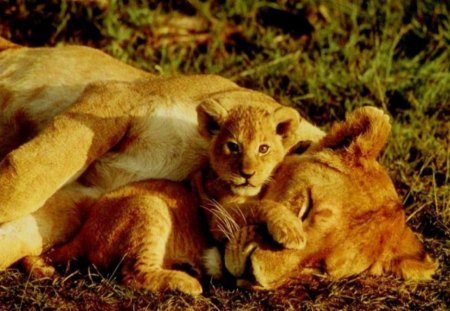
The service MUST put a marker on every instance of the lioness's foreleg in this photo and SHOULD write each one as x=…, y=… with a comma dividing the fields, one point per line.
x=32, y=173
x=52, y=224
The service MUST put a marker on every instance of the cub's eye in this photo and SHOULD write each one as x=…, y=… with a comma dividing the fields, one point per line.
x=233, y=147
x=263, y=149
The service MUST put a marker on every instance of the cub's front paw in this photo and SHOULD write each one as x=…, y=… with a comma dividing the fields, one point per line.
x=288, y=231
x=184, y=283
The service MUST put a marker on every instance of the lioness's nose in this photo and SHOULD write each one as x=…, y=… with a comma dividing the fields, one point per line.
x=246, y=175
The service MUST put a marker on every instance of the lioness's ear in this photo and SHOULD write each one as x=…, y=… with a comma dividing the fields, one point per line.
x=210, y=116
x=287, y=121
x=363, y=133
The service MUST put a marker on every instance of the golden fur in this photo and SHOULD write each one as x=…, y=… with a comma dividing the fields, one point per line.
x=77, y=123
x=353, y=219
x=246, y=145
x=152, y=230
x=152, y=226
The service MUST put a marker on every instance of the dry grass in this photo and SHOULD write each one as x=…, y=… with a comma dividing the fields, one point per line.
x=324, y=59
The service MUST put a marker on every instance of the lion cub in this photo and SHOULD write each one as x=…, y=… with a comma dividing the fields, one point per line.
x=152, y=228
x=352, y=216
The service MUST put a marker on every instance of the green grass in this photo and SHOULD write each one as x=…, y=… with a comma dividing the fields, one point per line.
x=335, y=56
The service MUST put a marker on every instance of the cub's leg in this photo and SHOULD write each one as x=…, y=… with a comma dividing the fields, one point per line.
x=148, y=269
x=52, y=224
x=154, y=278
x=132, y=227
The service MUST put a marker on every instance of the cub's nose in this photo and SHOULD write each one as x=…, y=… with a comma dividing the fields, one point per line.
x=247, y=175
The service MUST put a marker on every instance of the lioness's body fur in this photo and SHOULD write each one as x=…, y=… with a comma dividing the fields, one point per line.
x=353, y=219
x=78, y=123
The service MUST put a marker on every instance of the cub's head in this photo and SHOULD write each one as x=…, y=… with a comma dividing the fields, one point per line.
x=248, y=139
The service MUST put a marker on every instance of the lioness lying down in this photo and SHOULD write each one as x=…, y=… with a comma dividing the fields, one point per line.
x=76, y=123
x=353, y=219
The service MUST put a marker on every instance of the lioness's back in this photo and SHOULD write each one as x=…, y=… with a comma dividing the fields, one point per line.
x=38, y=83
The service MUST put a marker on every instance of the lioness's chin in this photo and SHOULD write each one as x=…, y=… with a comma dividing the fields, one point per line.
x=246, y=191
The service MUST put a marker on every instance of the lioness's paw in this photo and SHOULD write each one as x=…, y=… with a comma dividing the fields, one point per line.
x=288, y=231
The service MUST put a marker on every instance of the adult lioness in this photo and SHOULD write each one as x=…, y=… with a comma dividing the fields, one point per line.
x=153, y=226
x=352, y=216
x=77, y=123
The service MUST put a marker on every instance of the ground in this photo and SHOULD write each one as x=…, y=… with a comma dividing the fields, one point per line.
x=322, y=57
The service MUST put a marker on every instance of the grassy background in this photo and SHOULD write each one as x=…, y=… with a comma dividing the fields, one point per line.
x=323, y=57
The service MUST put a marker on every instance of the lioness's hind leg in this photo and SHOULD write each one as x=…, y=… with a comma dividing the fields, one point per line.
x=415, y=269
x=407, y=260
x=410, y=261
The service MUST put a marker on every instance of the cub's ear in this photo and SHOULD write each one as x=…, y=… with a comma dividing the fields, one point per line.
x=364, y=133
x=287, y=121
x=210, y=116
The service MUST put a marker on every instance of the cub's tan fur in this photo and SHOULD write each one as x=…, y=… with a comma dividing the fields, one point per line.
x=76, y=123
x=150, y=229
x=152, y=225
x=352, y=216
x=246, y=145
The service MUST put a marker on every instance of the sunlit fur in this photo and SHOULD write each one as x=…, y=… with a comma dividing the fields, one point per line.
x=249, y=128
x=355, y=221
x=230, y=198
x=151, y=227
x=77, y=123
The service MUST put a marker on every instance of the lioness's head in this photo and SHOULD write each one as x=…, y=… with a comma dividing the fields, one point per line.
x=249, y=135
